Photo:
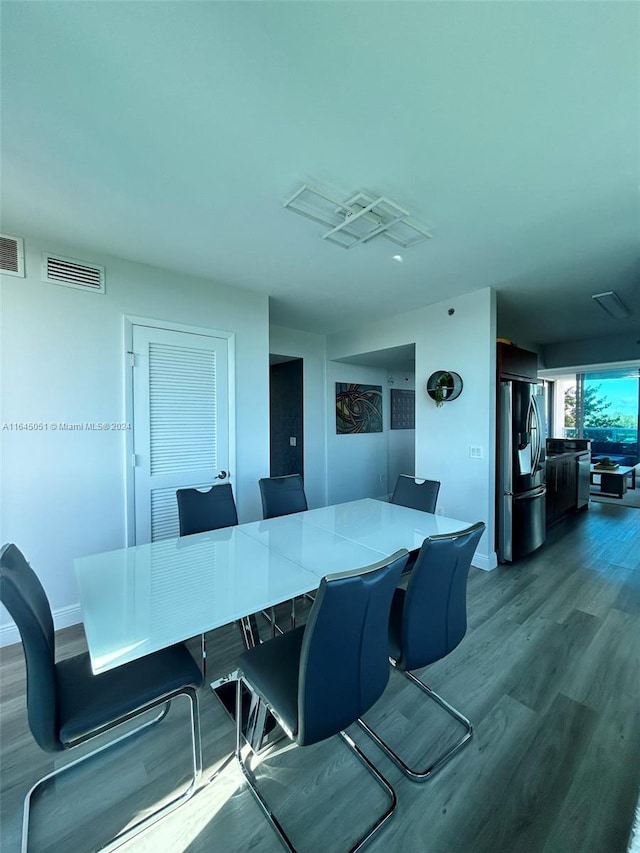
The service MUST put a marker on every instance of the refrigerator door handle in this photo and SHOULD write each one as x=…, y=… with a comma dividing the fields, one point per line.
x=536, y=428
x=526, y=444
x=506, y=437
x=530, y=496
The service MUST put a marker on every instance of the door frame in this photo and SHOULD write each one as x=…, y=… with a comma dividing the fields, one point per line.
x=129, y=321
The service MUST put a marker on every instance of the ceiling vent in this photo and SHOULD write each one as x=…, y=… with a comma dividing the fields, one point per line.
x=57, y=270
x=357, y=219
x=11, y=255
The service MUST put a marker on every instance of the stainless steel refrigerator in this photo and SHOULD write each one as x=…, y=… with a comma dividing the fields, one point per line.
x=521, y=471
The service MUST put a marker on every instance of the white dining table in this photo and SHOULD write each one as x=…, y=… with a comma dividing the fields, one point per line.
x=137, y=600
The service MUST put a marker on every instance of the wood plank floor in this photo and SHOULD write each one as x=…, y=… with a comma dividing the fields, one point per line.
x=548, y=673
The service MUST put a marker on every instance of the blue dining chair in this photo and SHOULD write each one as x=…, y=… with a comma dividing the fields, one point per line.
x=415, y=494
x=215, y=509
x=67, y=705
x=428, y=621
x=319, y=678
x=200, y=511
x=283, y=496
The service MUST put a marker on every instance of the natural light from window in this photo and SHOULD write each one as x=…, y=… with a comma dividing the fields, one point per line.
x=603, y=407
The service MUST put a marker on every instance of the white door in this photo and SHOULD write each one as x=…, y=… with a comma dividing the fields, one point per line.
x=180, y=422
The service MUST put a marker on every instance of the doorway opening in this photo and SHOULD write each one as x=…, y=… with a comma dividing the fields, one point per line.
x=286, y=416
x=370, y=465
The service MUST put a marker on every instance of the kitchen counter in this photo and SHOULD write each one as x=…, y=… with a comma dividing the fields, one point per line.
x=567, y=484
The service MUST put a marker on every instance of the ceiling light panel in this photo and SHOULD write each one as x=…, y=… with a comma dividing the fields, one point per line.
x=612, y=304
x=357, y=219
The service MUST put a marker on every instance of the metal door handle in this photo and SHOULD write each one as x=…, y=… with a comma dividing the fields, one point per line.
x=536, y=427
x=221, y=476
x=530, y=497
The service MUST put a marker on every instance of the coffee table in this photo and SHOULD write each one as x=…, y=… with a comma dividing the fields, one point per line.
x=613, y=482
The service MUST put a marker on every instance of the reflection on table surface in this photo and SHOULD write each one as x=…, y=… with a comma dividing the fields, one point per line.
x=381, y=525
x=140, y=599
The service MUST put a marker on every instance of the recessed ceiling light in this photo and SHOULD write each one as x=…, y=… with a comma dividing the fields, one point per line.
x=398, y=258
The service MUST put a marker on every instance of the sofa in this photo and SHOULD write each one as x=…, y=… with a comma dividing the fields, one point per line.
x=622, y=452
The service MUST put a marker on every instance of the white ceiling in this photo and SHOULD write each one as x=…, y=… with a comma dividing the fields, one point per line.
x=172, y=132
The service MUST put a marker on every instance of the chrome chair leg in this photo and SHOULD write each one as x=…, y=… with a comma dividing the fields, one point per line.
x=271, y=817
x=382, y=781
x=270, y=616
x=154, y=816
x=203, y=655
x=256, y=722
x=271, y=619
x=248, y=629
x=441, y=760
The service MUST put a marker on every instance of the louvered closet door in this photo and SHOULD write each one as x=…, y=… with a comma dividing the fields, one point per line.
x=181, y=416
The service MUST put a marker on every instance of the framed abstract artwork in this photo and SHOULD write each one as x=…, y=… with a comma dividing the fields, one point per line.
x=358, y=408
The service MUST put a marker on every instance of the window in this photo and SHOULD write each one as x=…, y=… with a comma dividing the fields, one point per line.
x=603, y=406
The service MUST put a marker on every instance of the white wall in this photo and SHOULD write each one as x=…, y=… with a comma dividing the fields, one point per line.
x=372, y=456
x=357, y=463
x=312, y=349
x=463, y=342
x=402, y=442
x=62, y=494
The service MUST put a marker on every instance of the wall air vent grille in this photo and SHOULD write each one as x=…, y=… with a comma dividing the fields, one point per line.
x=71, y=273
x=11, y=255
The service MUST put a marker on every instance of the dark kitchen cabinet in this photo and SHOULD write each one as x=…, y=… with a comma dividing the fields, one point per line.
x=561, y=487
x=516, y=363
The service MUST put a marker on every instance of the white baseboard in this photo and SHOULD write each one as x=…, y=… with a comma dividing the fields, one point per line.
x=485, y=562
x=62, y=618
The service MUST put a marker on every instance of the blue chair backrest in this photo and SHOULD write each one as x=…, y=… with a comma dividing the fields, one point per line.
x=22, y=594
x=434, y=616
x=344, y=660
x=416, y=494
x=201, y=511
x=282, y=495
